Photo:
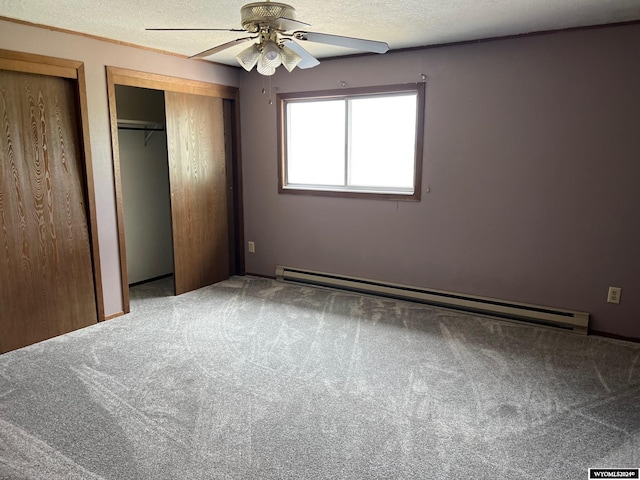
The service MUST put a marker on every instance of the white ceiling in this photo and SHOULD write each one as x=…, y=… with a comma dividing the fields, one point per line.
x=400, y=23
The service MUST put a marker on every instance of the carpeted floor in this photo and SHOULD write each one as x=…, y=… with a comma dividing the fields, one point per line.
x=253, y=379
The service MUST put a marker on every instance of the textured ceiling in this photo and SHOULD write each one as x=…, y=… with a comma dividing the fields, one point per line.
x=400, y=23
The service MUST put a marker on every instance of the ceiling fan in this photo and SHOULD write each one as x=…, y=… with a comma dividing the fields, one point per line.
x=277, y=31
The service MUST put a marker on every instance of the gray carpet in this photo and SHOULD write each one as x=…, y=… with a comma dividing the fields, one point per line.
x=253, y=379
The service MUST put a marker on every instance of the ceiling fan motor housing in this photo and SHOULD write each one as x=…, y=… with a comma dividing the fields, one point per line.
x=256, y=16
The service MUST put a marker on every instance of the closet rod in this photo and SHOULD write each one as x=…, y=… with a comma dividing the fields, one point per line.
x=140, y=125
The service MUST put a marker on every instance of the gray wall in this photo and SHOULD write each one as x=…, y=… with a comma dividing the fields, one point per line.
x=532, y=158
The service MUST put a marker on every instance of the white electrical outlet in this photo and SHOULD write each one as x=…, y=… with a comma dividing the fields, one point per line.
x=614, y=295
x=252, y=247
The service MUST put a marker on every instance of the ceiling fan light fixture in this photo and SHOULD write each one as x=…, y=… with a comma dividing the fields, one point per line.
x=274, y=25
x=249, y=57
x=290, y=59
x=271, y=54
x=264, y=68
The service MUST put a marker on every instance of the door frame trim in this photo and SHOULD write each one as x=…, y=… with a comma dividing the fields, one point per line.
x=134, y=78
x=71, y=69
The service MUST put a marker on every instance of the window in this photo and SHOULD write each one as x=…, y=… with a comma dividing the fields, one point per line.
x=352, y=142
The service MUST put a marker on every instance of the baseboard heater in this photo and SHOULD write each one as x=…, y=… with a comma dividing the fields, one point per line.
x=578, y=322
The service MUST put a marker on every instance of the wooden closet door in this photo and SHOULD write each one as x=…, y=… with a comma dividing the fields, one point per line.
x=197, y=176
x=46, y=272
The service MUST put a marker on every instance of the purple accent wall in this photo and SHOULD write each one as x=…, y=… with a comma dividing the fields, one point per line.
x=532, y=159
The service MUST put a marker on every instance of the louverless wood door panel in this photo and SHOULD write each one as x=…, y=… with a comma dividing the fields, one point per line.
x=46, y=274
x=197, y=177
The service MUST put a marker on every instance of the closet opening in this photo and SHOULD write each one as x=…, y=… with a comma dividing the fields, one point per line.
x=177, y=173
x=144, y=176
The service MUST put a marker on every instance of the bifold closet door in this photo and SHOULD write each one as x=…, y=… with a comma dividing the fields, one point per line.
x=46, y=272
x=197, y=177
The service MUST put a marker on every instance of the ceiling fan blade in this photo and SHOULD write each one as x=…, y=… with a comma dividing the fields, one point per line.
x=308, y=60
x=224, y=46
x=286, y=24
x=340, y=41
x=195, y=29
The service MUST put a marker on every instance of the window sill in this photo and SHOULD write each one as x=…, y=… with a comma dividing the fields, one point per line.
x=378, y=194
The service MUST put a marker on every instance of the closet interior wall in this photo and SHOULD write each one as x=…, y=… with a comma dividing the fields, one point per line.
x=145, y=182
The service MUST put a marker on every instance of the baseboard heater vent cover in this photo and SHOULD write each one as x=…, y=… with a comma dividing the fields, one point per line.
x=578, y=322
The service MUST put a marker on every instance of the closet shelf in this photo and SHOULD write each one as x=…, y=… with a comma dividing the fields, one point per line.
x=142, y=125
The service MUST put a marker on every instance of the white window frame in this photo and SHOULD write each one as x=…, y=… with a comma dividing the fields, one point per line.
x=284, y=186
